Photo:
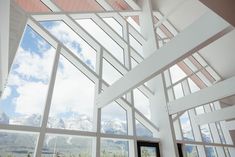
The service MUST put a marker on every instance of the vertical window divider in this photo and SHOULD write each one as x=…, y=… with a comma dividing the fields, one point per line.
x=97, y=110
x=48, y=103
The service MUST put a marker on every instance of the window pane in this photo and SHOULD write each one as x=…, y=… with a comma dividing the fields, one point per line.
x=72, y=41
x=17, y=144
x=142, y=103
x=114, y=24
x=210, y=152
x=66, y=146
x=141, y=130
x=133, y=63
x=206, y=134
x=136, y=45
x=178, y=91
x=110, y=74
x=176, y=73
x=111, y=148
x=92, y=28
x=193, y=86
x=133, y=21
x=24, y=98
x=72, y=100
x=113, y=119
x=190, y=151
x=186, y=127
x=199, y=110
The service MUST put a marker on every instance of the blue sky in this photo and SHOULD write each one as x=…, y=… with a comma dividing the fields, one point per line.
x=31, y=43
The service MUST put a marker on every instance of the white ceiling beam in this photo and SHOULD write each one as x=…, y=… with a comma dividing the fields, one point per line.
x=223, y=8
x=85, y=14
x=205, y=30
x=215, y=116
x=133, y=4
x=105, y=5
x=230, y=125
x=210, y=94
x=51, y=5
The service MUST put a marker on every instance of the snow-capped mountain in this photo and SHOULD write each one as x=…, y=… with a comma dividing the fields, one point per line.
x=114, y=126
x=4, y=119
x=31, y=120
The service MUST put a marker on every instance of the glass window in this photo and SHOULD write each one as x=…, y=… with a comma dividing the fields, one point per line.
x=220, y=131
x=141, y=130
x=72, y=100
x=66, y=146
x=176, y=73
x=136, y=45
x=134, y=63
x=72, y=41
x=190, y=151
x=142, y=103
x=113, y=147
x=193, y=86
x=113, y=119
x=178, y=91
x=24, y=98
x=110, y=74
x=99, y=34
x=200, y=110
x=210, y=151
x=133, y=21
x=114, y=24
x=17, y=144
x=206, y=133
x=186, y=127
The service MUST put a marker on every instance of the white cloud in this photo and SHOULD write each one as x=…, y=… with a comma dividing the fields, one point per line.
x=6, y=93
x=73, y=91
x=31, y=98
x=67, y=36
x=30, y=64
x=113, y=111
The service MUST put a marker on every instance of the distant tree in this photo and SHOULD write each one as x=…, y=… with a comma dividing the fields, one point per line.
x=28, y=155
x=57, y=154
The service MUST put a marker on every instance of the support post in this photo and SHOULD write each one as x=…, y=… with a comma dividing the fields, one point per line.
x=168, y=145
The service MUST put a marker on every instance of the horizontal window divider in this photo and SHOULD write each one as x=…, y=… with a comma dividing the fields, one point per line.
x=204, y=143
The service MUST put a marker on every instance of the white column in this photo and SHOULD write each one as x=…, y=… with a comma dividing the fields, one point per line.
x=147, y=28
x=4, y=39
x=161, y=118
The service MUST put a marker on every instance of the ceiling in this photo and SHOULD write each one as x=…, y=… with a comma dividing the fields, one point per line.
x=220, y=54
x=181, y=13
